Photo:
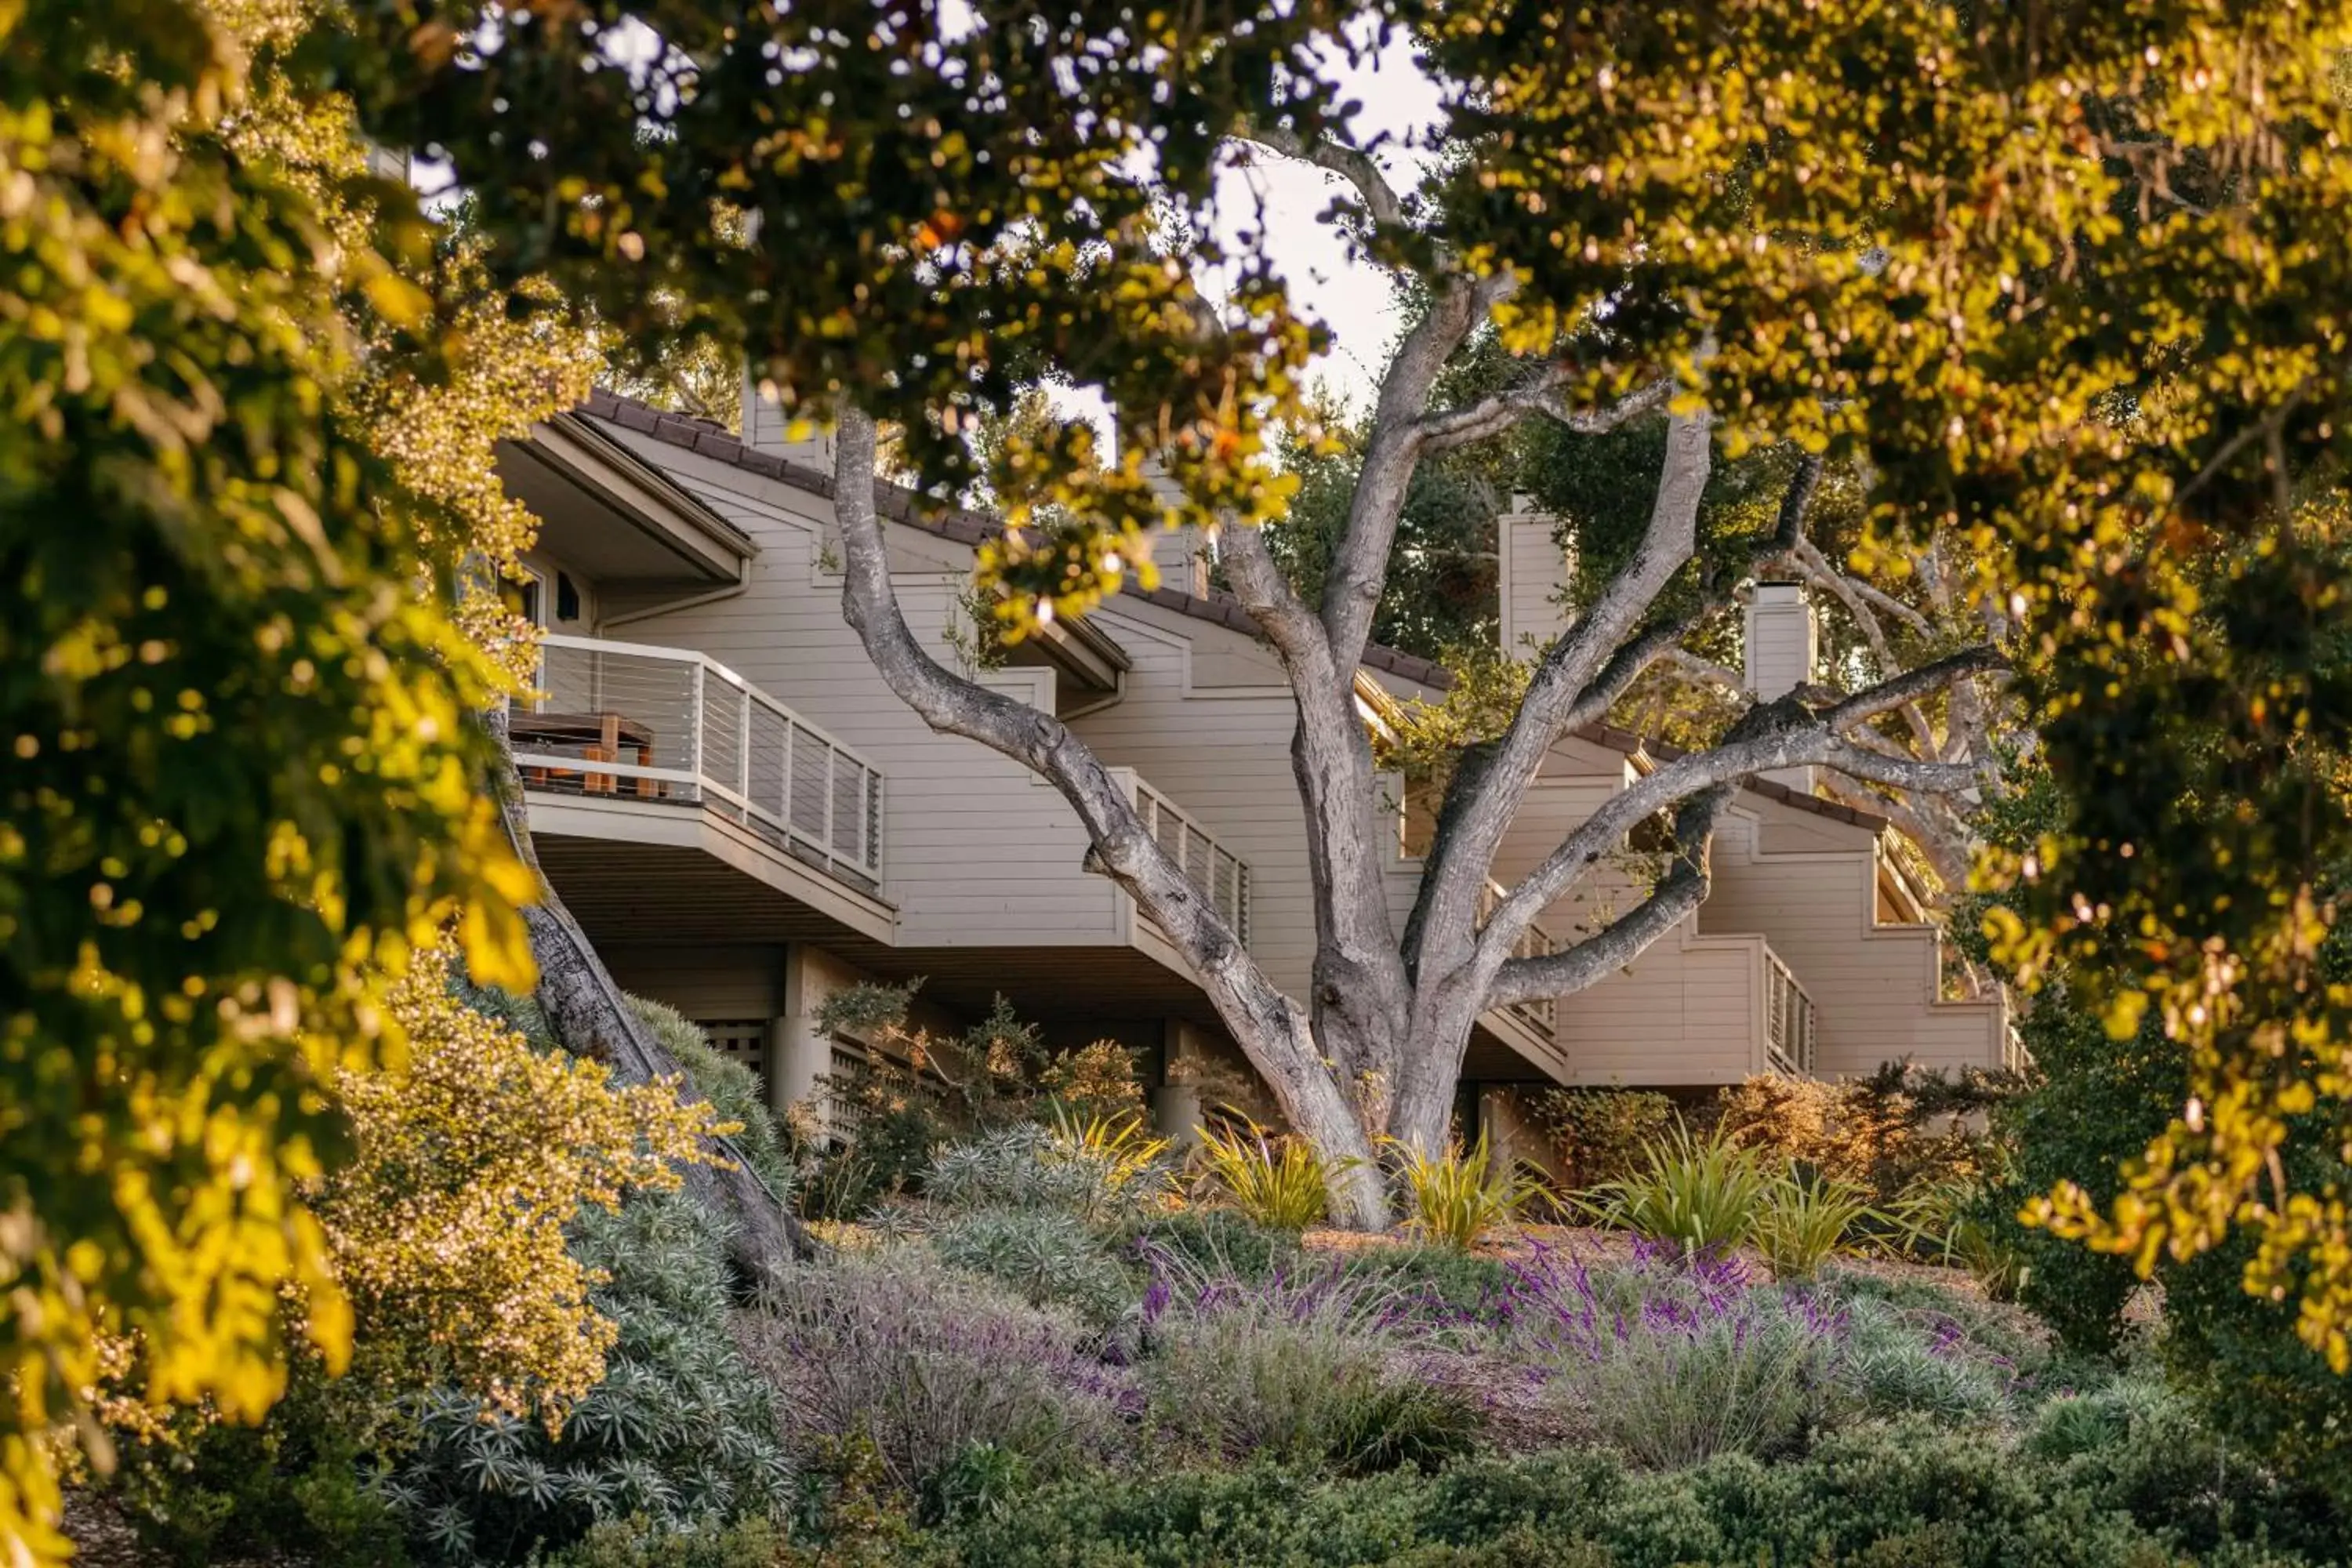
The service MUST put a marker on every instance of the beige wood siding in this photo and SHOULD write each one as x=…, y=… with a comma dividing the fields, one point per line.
x=1222, y=752
x=1874, y=986
x=702, y=981
x=1689, y=1011
x=976, y=850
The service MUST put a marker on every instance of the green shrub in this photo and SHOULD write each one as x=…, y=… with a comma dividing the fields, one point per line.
x=1049, y=1257
x=679, y=1430
x=925, y=1364
x=1904, y=1495
x=1700, y=1194
x=208, y=1491
x=1748, y=1376
x=732, y=1090
x=1215, y=1241
x=1296, y=1369
x=1602, y=1133
x=1025, y=1166
x=641, y=1542
x=1432, y=1281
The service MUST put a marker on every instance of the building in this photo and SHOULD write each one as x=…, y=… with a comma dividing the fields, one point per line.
x=746, y=820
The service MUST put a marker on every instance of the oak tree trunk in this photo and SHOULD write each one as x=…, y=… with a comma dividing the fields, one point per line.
x=590, y=1017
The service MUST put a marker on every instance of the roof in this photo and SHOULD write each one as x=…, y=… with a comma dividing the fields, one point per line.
x=965, y=526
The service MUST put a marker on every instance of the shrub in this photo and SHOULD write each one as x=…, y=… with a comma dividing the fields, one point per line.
x=1283, y=1184
x=1702, y=1196
x=1903, y=1495
x=447, y=1229
x=1602, y=1133
x=1433, y=1283
x=199, y=1491
x=1698, y=1364
x=641, y=1542
x=1025, y=1166
x=732, y=1090
x=1298, y=1368
x=1803, y=1221
x=1049, y=1259
x=925, y=1365
x=1215, y=1241
x=1457, y=1198
x=679, y=1430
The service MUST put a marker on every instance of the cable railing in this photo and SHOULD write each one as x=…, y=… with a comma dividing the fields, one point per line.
x=1788, y=1028
x=671, y=725
x=1222, y=876
x=1539, y=1012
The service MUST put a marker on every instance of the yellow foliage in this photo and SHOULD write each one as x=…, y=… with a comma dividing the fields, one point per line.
x=447, y=1231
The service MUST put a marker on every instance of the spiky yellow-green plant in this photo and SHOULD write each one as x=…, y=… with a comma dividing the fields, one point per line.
x=1457, y=1197
x=1281, y=1182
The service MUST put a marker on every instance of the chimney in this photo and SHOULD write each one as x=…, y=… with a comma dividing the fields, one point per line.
x=1782, y=642
x=1533, y=568
x=766, y=429
x=1182, y=555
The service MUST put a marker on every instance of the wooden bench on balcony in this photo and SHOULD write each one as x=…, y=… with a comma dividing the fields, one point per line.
x=598, y=736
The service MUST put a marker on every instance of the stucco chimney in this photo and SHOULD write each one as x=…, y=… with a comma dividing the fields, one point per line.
x=1532, y=572
x=1782, y=642
x=766, y=428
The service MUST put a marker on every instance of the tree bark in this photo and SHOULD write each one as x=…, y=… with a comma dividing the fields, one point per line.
x=591, y=1018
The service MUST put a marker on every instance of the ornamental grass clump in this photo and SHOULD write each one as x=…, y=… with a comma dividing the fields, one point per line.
x=1672, y=1366
x=1805, y=1220
x=1702, y=1196
x=1312, y=1368
x=1456, y=1198
x=927, y=1365
x=1283, y=1184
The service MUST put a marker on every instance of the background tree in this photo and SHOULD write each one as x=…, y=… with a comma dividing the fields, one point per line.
x=1890, y=234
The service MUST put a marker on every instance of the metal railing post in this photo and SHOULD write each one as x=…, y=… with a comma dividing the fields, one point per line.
x=701, y=722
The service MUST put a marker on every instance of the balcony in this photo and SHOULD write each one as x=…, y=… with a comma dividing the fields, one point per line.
x=1789, y=1034
x=1539, y=1012
x=631, y=721
x=1222, y=877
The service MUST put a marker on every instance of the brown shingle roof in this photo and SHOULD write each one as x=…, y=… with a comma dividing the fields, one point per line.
x=968, y=526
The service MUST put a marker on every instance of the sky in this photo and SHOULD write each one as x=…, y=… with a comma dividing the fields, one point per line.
x=1357, y=302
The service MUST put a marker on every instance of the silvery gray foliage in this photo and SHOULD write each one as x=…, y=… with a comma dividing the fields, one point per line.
x=679, y=1429
x=1049, y=1257
x=1027, y=1167
x=929, y=1365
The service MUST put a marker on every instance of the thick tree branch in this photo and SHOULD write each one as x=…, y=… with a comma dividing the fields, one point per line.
x=1352, y=164
x=1772, y=736
x=1493, y=414
x=1679, y=892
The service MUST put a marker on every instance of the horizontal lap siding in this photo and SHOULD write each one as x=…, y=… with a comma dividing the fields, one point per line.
x=703, y=983
x=975, y=850
x=1224, y=760
x=1873, y=987
x=1685, y=1012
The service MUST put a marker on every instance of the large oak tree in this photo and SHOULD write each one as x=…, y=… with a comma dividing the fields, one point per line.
x=2063, y=282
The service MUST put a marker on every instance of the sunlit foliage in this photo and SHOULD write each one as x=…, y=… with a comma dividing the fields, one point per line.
x=244, y=455
x=448, y=1230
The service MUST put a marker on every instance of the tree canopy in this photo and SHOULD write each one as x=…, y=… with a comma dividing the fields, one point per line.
x=252, y=403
